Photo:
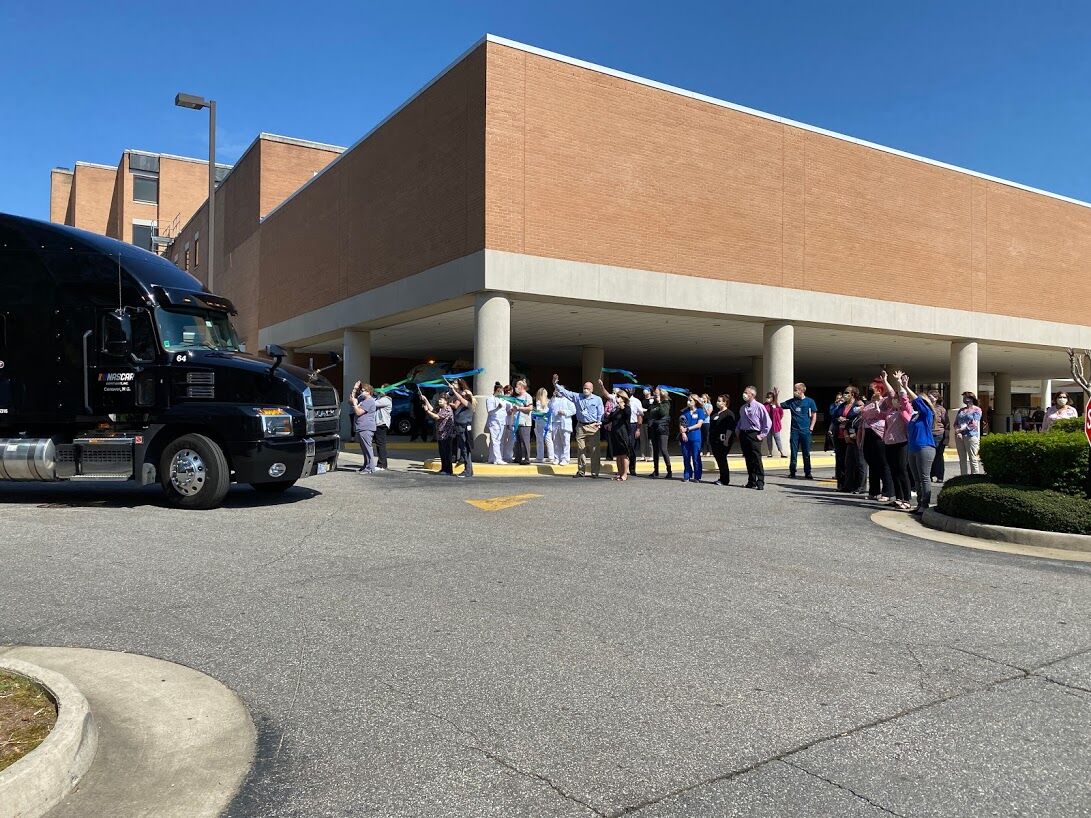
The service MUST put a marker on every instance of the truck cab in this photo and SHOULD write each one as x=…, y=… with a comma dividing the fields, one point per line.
x=115, y=365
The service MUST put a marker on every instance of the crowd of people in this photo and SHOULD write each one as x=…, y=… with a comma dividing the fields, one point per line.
x=888, y=444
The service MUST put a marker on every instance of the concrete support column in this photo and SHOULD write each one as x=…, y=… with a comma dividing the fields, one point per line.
x=1047, y=393
x=963, y=370
x=355, y=366
x=778, y=348
x=1001, y=402
x=593, y=359
x=492, y=353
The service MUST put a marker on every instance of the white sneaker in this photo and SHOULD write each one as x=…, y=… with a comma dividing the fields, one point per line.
x=379, y=468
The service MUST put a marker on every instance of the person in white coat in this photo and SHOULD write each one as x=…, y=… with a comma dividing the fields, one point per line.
x=543, y=428
x=497, y=415
x=562, y=411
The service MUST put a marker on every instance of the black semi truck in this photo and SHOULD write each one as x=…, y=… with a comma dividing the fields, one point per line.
x=115, y=365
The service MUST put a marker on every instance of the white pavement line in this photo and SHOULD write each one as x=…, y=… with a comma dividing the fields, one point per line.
x=906, y=524
x=41, y=779
x=172, y=741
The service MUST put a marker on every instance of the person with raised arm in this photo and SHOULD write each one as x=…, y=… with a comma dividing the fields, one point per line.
x=589, y=412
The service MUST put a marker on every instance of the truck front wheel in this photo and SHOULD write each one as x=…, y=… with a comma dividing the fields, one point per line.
x=194, y=472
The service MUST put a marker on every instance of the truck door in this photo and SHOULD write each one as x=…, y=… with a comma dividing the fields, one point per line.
x=124, y=373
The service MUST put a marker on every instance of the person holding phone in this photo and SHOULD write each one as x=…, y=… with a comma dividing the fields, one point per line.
x=721, y=428
x=364, y=417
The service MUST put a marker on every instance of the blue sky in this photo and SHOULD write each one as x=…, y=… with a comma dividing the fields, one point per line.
x=1000, y=87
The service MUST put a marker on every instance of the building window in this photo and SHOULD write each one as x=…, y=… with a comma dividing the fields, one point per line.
x=142, y=235
x=197, y=250
x=145, y=189
x=186, y=257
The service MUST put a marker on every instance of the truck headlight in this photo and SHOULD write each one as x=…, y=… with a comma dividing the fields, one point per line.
x=275, y=423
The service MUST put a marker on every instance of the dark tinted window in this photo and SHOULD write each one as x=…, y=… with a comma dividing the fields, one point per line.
x=138, y=161
x=145, y=189
x=142, y=236
x=144, y=345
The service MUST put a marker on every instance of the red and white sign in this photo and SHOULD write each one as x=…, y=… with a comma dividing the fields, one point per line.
x=1087, y=421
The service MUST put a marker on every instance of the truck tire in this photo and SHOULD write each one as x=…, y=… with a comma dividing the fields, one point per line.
x=194, y=473
x=279, y=487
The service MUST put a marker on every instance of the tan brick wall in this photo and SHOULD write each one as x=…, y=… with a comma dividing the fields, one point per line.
x=408, y=198
x=286, y=167
x=589, y=167
x=92, y=198
x=183, y=187
x=60, y=190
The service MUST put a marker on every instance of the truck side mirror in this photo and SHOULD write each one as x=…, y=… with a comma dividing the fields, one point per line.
x=117, y=335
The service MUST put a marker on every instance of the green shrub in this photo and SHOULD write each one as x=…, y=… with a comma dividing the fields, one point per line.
x=1067, y=425
x=1050, y=461
x=977, y=499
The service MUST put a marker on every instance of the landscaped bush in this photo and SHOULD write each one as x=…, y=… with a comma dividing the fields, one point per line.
x=1067, y=425
x=1049, y=461
x=976, y=498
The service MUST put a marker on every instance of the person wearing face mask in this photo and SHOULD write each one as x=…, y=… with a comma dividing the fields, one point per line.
x=509, y=427
x=869, y=438
x=657, y=425
x=721, y=426
x=804, y=413
x=689, y=431
x=645, y=431
x=968, y=435
x=922, y=444
x=562, y=410
x=896, y=440
x=620, y=434
x=752, y=427
x=632, y=425
x=589, y=414
x=497, y=415
x=522, y=423
x=1063, y=409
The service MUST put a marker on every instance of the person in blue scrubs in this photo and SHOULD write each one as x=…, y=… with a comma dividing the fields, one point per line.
x=690, y=433
x=804, y=413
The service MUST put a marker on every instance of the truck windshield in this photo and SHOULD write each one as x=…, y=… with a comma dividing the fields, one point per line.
x=196, y=329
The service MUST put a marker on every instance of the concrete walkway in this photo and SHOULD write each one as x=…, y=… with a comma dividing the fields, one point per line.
x=172, y=741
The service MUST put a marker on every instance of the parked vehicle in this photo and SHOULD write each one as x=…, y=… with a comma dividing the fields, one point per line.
x=115, y=365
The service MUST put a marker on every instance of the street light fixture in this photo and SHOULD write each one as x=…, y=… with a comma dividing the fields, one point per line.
x=197, y=103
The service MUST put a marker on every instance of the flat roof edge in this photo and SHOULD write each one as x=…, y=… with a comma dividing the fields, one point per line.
x=552, y=55
x=99, y=165
x=69, y=171
x=303, y=143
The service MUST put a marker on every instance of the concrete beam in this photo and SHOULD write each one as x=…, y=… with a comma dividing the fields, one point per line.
x=592, y=360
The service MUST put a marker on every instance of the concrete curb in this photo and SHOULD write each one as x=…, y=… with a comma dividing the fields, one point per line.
x=1000, y=533
x=44, y=777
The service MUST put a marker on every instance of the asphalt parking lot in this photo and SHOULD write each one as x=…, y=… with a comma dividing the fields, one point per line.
x=602, y=648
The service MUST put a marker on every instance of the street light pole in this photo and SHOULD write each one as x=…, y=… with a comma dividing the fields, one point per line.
x=197, y=103
x=211, y=193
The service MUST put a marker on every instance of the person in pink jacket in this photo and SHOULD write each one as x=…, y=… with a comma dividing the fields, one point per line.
x=896, y=438
x=772, y=406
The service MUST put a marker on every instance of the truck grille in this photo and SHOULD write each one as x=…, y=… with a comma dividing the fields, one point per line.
x=326, y=409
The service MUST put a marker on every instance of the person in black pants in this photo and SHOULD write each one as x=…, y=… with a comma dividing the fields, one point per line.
x=383, y=405
x=872, y=425
x=840, y=420
x=753, y=426
x=463, y=402
x=721, y=428
x=657, y=420
x=940, y=430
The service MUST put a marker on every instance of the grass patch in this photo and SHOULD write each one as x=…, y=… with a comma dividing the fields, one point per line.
x=27, y=714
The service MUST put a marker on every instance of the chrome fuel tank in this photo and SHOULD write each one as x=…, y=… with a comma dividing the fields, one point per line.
x=24, y=458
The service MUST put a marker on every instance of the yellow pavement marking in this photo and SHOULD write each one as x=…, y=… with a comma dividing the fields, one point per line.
x=501, y=503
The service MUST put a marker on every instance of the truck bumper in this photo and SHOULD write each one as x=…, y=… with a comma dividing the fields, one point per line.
x=273, y=461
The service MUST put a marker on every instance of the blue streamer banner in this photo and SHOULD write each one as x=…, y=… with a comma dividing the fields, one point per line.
x=624, y=372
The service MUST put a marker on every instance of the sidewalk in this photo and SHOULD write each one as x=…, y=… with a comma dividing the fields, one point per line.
x=428, y=461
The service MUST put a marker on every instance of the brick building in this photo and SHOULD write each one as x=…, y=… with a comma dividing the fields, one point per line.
x=145, y=196
x=525, y=206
